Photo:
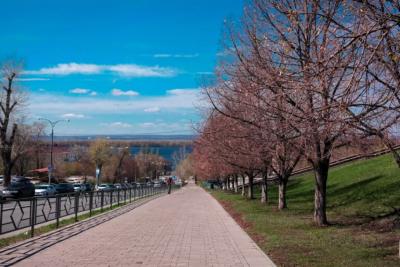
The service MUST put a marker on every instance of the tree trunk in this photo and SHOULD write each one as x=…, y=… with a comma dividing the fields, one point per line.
x=7, y=168
x=395, y=154
x=235, y=181
x=250, y=192
x=282, y=194
x=264, y=188
x=243, y=182
x=386, y=141
x=321, y=176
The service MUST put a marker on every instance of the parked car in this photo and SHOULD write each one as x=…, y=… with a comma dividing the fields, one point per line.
x=87, y=187
x=126, y=186
x=106, y=187
x=19, y=187
x=132, y=185
x=64, y=188
x=157, y=184
x=45, y=190
x=78, y=188
x=118, y=186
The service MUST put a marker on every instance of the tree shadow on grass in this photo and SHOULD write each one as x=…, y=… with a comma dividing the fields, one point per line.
x=351, y=193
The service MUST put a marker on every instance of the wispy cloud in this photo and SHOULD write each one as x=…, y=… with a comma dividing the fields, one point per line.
x=147, y=124
x=187, y=91
x=152, y=109
x=79, y=91
x=73, y=116
x=117, y=124
x=131, y=70
x=67, y=69
x=119, y=92
x=205, y=73
x=83, y=91
x=176, y=55
x=127, y=70
x=176, y=100
x=32, y=79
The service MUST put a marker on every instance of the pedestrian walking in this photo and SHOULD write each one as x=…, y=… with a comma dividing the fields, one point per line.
x=169, y=182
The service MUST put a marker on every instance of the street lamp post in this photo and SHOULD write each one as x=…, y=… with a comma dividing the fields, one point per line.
x=52, y=124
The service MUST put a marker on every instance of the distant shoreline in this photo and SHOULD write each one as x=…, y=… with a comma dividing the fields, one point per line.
x=134, y=138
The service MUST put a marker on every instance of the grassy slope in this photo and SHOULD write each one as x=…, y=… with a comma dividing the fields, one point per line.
x=357, y=194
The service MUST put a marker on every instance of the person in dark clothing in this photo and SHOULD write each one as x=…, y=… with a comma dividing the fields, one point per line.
x=169, y=182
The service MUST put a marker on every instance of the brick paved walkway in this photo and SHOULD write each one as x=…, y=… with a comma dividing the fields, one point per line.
x=186, y=228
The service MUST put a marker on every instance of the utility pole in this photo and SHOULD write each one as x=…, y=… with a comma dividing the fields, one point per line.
x=52, y=124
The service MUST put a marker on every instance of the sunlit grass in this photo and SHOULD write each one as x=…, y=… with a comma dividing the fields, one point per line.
x=360, y=195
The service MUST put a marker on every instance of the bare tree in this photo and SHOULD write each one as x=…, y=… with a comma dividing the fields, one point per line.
x=379, y=34
x=11, y=99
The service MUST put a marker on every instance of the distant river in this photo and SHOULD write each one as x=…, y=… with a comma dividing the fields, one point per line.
x=164, y=151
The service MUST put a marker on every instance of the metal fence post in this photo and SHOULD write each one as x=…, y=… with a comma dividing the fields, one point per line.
x=130, y=196
x=118, y=196
x=90, y=203
x=76, y=205
x=102, y=201
x=1, y=217
x=58, y=207
x=33, y=215
x=111, y=199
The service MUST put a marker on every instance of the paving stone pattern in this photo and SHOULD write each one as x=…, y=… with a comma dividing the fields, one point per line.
x=186, y=228
x=15, y=253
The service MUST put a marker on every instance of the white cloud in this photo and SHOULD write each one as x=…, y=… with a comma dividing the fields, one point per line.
x=127, y=70
x=147, y=124
x=67, y=69
x=119, y=92
x=79, y=91
x=177, y=101
x=73, y=116
x=42, y=90
x=117, y=124
x=93, y=93
x=132, y=70
x=32, y=79
x=187, y=91
x=175, y=55
x=152, y=109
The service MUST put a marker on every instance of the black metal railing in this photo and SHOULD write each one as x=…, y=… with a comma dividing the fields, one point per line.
x=28, y=212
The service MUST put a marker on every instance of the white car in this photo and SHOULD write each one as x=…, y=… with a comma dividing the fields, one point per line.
x=45, y=190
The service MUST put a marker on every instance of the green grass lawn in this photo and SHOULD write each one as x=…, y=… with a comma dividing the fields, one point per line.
x=360, y=198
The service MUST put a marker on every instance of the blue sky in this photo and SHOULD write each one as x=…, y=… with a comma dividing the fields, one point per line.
x=115, y=67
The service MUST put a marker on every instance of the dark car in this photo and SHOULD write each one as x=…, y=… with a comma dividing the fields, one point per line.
x=19, y=187
x=87, y=187
x=64, y=188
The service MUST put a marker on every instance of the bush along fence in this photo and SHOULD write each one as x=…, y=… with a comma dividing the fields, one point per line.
x=23, y=213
